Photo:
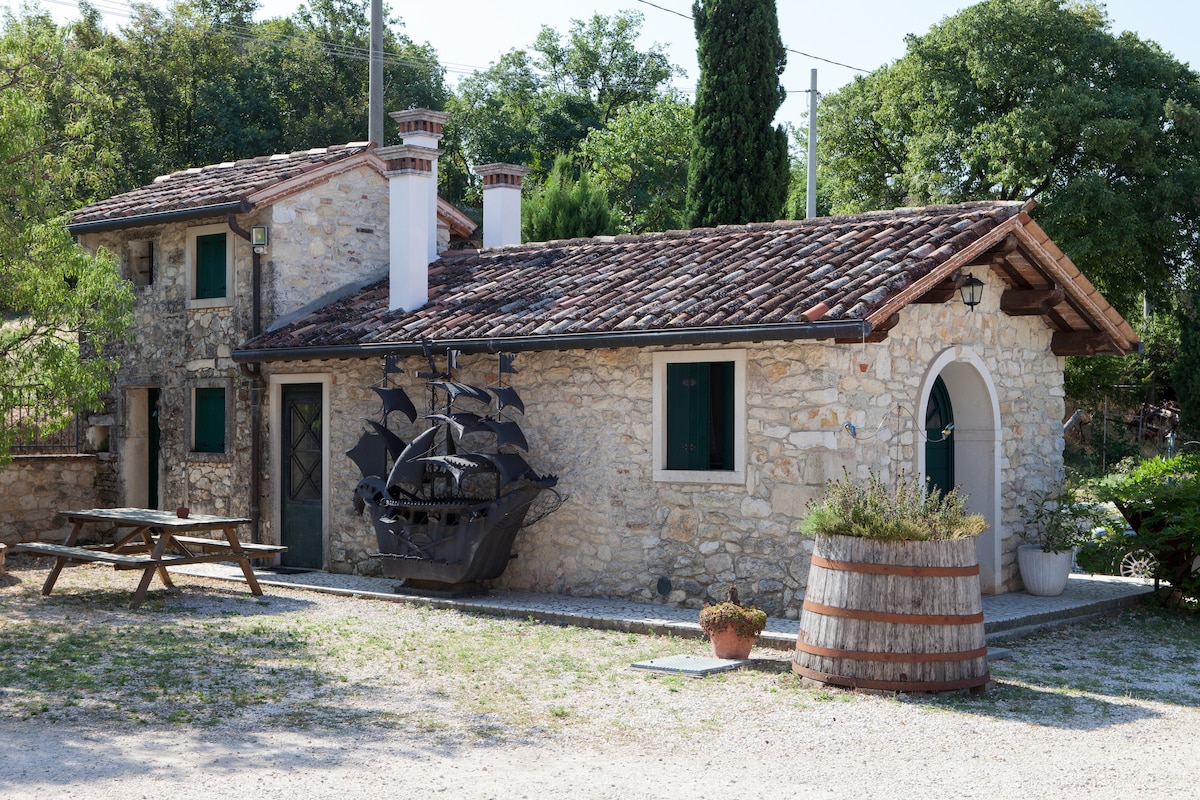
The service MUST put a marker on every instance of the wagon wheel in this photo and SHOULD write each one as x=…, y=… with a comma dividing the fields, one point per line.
x=1139, y=563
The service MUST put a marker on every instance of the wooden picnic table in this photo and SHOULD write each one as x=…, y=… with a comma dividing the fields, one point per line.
x=153, y=543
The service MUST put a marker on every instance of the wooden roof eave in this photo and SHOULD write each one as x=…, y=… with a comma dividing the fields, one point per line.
x=1078, y=291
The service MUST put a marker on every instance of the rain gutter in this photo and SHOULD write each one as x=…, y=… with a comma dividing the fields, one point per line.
x=728, y=334
x=162, y=217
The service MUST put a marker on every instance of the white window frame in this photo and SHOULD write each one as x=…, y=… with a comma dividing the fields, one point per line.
x=189, y=262
x=658, y=414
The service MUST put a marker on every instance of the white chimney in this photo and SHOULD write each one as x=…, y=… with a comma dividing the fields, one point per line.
x=412, y=218
x=421, y=127
x=501, y=203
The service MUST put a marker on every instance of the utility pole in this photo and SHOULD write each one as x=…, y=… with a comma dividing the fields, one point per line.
x=810, y=210
x=375, y=86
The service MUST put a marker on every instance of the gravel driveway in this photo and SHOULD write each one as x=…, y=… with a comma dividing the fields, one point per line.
x=207, y=692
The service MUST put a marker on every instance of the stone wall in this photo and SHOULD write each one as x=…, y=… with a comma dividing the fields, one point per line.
x=330, y=236
x=589, y=420
x=322, y=238
x=33, y=489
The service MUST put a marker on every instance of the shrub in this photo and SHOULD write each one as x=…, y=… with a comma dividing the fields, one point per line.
x=1061, y=521
x=744, y=620
x=874, y=510
x=1160, y=498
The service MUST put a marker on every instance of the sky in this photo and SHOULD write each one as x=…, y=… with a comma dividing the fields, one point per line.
x=862, y=34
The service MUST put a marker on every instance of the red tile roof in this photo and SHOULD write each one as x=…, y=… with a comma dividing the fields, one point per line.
x=213, y=185
x=750, y=275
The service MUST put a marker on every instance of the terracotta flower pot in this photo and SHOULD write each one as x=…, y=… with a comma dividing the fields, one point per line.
x=727, y=644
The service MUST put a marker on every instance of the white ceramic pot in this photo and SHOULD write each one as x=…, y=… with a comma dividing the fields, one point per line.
x=1044, y=573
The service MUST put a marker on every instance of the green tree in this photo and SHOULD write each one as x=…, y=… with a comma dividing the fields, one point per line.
x=60, y=308
x=1015, y=99
x=1185, y=372
x=640, y=159
x=213, y=85
x=599, y=63
x=534, y=105
x=565, y=207
x=739, y=163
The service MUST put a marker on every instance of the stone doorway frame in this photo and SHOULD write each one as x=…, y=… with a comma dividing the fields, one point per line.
x=977, y=447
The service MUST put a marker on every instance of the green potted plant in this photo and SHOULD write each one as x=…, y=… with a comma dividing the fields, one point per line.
x=892, y=600
x=732, y=626
x=1055, y=523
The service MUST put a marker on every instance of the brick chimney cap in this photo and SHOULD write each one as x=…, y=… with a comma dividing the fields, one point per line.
x=484, y=170
x=414, y=114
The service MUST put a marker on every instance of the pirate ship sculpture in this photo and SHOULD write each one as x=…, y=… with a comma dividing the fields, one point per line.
x=447, y=505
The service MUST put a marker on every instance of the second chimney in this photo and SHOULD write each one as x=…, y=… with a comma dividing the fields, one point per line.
x=501, y=203
x=411, y=217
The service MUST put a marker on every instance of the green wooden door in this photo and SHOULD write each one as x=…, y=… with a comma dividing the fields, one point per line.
x=301, y=513
x=154, y=447
x=939, y=448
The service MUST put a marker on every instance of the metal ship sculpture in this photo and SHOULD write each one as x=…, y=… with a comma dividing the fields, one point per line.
x=447, y=504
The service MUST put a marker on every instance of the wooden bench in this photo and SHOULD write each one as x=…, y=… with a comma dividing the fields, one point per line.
x=251, y=550
x=118, y=560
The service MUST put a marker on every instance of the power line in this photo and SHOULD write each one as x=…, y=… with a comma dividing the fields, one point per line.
x=788, y=49
x=117, y=8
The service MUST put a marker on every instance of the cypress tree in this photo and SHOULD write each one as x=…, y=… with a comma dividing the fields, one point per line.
x=739, y=166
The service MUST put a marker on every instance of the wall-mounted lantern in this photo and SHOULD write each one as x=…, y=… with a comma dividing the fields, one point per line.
x=971, y=289
x=259, y=238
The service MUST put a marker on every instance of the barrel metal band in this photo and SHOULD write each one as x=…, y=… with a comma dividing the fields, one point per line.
x=977, y=682
x=896, y=569
x=886, y=616
x=891, y=658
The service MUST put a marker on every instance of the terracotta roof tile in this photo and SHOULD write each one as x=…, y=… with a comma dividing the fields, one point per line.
x=229, y=182
x=732, y=275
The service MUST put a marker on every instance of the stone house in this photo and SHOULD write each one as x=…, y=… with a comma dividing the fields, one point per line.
x=817, y=346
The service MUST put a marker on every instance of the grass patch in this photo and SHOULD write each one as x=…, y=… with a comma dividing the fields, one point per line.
x=209, y=655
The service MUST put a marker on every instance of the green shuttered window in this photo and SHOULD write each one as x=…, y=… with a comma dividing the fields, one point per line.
x=700, y=415
x=210, y=266
x=209, y=420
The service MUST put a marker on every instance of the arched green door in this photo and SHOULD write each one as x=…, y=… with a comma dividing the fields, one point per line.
x=939, y=448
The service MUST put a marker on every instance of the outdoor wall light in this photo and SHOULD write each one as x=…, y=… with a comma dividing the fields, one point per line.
x=259, y=239
x=972, y=291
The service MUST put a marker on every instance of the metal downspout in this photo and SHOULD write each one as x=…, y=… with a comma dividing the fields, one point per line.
x=253, y=371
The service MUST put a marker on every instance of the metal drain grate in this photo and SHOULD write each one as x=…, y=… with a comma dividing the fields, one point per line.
x=695, y=666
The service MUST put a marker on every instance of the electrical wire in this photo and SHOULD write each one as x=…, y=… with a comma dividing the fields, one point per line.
x=853, y=429
x=788, y=49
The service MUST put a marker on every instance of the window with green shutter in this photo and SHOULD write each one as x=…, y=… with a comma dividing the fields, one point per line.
x=700, y=415
x=208, y=420
x=210, y=266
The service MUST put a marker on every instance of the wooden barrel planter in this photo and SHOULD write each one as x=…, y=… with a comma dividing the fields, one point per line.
x=893, y=615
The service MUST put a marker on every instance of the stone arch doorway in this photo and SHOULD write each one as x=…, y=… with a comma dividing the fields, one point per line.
x=957, y=377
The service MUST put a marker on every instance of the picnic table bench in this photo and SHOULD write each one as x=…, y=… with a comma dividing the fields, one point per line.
x=153, y=544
